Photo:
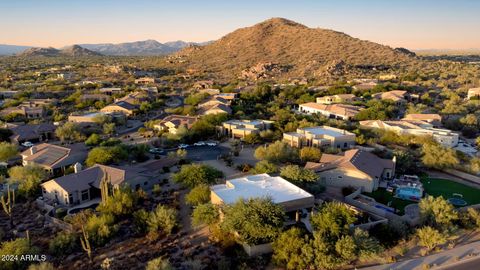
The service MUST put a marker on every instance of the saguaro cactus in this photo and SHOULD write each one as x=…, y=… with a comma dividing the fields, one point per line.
x=8, y=204
x=86, y=243
x=104, y=187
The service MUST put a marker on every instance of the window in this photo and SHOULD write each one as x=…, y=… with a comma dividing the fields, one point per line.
x=145, y=183
x=340, y=177
x=70, y=198
x=85, y=195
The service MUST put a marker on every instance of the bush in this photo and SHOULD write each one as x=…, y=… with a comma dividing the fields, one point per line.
x=198, y=195
x=162, y=219
x=63, y=244
x=192, y=175
x=101, y=228
x=205, y=214
x=159, y=264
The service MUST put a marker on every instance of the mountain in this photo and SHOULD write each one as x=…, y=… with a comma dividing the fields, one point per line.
x=180, y=44
x=71, y=51
x=146, y=47
x=290, y=46
x=12, y=49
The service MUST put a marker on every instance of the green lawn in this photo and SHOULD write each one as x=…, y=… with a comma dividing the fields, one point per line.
x=433, y=186
x=446, y=188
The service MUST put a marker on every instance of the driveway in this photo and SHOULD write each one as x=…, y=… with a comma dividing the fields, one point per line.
x=457, y=258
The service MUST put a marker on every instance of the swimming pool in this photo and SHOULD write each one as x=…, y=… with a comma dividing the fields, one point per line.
x=409, y=193
x=455, y=201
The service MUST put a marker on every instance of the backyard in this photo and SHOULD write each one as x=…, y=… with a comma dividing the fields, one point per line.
x=433, y=186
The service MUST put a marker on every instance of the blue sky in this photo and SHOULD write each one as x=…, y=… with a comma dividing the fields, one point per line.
x=412, y=24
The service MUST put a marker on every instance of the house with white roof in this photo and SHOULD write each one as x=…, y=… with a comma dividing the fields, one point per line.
x=473, y=93
x=282, y=192
x=445, y=137
x=321, y=136
x=242, y=128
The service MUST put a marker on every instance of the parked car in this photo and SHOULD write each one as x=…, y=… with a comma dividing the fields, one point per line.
x=183, y=146
x=156, y=151
x=200, y=143
x=211, y=143
x=27, y=144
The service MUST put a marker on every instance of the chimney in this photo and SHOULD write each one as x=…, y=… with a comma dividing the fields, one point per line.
x=77, y=167
x=33, y=150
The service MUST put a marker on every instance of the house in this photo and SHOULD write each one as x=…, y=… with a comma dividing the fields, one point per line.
x=242, y=128
x=321, y=136
x=282, y=192
x=431, y=118
x=137, y=97
x=86, y=118
x=340, y=98
x=215, y=109
x=400, y=97
x=337, y=111
x=365, y=86
x=84, y=185
x=66, y=76
x=209, y=91
x=445, y=137
x=54, y=158
x=145, y=80
x=173, y=123
x=111, y=90
x=32, y=133
x=8, y=94
x=120, y=107
x=214, y=101
x=473, y=93
x=207, y=84
x=94, y=97
x=227, y=96
x=353, y=168
x=29, y=112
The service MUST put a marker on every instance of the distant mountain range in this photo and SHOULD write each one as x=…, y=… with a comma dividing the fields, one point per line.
x=146, y=47
x=72, y=51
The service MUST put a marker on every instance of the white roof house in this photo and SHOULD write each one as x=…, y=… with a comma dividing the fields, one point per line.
x=282, y=192
x=320, y=136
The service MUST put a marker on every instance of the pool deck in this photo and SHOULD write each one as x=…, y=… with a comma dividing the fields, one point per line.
x=86, y=204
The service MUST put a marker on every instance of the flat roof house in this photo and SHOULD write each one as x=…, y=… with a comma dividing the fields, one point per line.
x=321, y=136
x=173, y=123
x=337, y=111
x=340, y=98
x=354, y=168
x=242, y=128
x=111, y=90
x=282, y=192
x=473, y=93
x=53, y=158
x=445, y=137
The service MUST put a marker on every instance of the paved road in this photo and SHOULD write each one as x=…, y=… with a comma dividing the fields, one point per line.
x=466, y=265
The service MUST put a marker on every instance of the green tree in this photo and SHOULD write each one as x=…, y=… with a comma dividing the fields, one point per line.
x=437, y=212
x=192, y=175
x=290, y=249
x=162, y=219
x=101, y=228
x=438, y=157
x=277, y=152
x=69, y=132
x=430, y=237
x=346, y=247
x=120, y=203
x=93, y=140
x=28, y=178
x=253, y=138
x=42, y=266
x=205, y=214
x=159, y=263
x=17, y=247
x=198, y=195
x=109, y=128
x=63, y=244
x=310, y=154
x=332, y=221
x=7, y=151
x=297, y=174
x=264, y=166
x=256, y=221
